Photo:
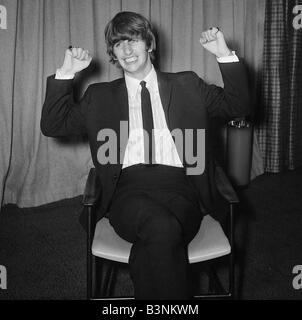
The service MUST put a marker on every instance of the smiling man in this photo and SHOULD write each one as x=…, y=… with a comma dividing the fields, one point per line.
x=147, y=196
x=133, y=57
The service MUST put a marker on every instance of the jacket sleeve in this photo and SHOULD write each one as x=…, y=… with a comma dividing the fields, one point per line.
x=61, y=115
x=233, y=100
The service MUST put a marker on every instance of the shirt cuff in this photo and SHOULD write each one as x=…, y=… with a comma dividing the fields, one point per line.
x=228, y=59
x=60, y=76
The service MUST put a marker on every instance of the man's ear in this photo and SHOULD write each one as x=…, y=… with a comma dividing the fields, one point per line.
x=151, y=47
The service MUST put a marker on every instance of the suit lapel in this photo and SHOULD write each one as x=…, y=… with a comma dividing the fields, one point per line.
x=122, y=114
x=165, y=90
x=122, y=101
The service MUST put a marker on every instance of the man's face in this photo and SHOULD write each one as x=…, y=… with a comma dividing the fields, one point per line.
x=133, y=57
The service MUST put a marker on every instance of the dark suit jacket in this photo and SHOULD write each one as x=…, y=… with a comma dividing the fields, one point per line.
x=187, y=100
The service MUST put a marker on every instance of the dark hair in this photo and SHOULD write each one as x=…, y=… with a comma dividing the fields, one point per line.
x=125, y=26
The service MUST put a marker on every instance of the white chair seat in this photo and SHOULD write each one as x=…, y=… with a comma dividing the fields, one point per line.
x=210, y=242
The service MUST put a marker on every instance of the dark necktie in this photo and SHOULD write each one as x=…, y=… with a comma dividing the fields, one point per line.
x=148, y=124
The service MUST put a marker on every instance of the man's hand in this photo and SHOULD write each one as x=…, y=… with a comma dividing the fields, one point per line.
x=75, y=60
x=213, y=41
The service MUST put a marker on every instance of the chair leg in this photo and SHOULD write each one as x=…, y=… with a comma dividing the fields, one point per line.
x=89, y=277
x=232, y=254
x=232, y=275
x=91, y=259
x=89, y=256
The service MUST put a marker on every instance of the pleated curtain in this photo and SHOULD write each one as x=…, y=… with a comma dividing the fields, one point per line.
x=280, y=122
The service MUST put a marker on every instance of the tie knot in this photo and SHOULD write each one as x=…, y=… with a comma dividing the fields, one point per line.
x=143, y=84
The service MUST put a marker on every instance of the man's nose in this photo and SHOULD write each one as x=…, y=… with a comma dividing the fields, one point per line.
x=127, y=48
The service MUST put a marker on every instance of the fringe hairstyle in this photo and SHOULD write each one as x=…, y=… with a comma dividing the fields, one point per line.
x=127, y=25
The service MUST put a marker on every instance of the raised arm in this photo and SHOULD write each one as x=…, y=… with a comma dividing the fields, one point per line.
x=61, y=115
x=233, y=100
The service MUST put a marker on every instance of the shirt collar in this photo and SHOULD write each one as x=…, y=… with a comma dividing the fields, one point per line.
x=133, y=84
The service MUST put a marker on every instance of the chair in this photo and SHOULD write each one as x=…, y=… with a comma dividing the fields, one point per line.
x=210, y=243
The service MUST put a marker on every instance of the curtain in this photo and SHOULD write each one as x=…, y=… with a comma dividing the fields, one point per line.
x=34, y=169
x=280, y=120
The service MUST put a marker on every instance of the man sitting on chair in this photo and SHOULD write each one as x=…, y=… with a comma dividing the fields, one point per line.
x=153, y=195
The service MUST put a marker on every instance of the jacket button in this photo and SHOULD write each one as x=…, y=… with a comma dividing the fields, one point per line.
x=115, y=176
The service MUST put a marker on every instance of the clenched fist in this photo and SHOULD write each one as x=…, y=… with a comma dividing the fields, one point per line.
x=213, y=41
x=75, y=60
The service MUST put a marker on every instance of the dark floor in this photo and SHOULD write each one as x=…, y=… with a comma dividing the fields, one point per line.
x=270, y=236
x=43, y=249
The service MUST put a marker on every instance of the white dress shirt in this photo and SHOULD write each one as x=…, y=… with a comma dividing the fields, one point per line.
x=165, y=149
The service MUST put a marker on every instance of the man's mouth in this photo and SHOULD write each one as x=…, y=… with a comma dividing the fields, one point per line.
x=130, y=59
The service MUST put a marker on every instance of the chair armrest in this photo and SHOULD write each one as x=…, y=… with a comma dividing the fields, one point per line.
x=224, y=186
x=92, y=189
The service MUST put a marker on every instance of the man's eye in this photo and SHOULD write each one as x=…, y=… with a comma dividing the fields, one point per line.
x=116, y=45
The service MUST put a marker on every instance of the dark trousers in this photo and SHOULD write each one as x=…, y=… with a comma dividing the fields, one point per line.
x=156, y=209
